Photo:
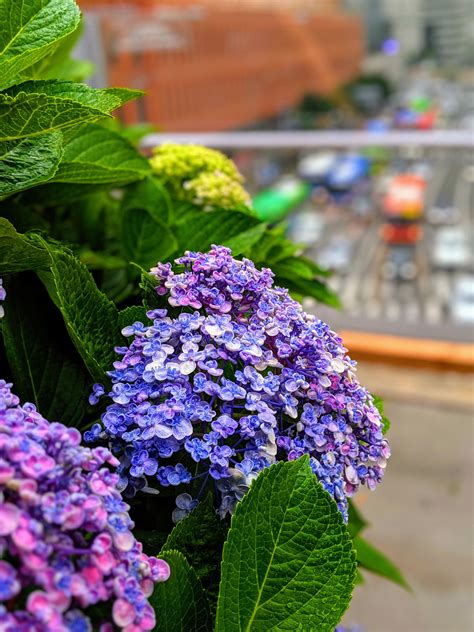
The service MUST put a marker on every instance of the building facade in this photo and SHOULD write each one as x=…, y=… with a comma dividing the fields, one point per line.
x=212, y=66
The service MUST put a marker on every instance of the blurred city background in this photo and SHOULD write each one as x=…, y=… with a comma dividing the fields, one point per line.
x=353, y=122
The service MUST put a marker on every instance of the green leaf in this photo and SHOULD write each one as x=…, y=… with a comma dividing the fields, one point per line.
x=39, y=107
x=46, y=368
x=298, y=266
x=245, y=240
x=91, y=318
x=356, y=522
x=288, y=562
x=198, y=230
x=200, y=538
x=379, y=405
x=151, y=195
x=132, y=314
x=375, y=561
x=17, y=253
x=273, y=247
x=180, y=603
x=59, y=64
x=101, y=261
x=59, y=193
x=31, y=30
x=29, y=162
x=24, y=217
x=96, y=155
x=144, y=239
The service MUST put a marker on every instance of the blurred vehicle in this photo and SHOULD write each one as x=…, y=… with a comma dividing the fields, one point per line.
x=307, y=226
x=401, y=233
x=443, y=214
x=405, y=197
x=462, y=302
x=315, y=168
x=400, y=264
x=451, y=248
x=284, y=196
x=347, y=171
x=336, y=255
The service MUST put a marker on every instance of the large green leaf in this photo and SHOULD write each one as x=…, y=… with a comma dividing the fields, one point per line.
x=180, y=603
x=46, y=368
x=373, y=560
x=133, y=314
x=200, y=538
x=90, y=317
x=198, y=230
x=38, y=107
x=96, y=155
x=288, y=562
x=59, y=64
x=298, y=266
x=151, y=195
x=146, y=240
x=240, y=243
x=273, y=247
x=17, y=253
x=29, y=162
x=30, y=30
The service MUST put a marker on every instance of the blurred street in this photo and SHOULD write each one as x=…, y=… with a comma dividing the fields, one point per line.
x=422, y=512
x=370, y=290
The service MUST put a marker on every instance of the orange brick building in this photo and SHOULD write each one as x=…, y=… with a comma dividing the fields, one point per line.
x=220, y=65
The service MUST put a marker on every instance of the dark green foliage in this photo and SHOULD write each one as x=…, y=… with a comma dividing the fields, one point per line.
x=180, y=603
x=17, y=253
x=45, y=367
x=90, y=317
x=200, y=538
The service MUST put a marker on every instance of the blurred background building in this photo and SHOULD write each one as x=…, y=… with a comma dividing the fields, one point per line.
x=214, y=65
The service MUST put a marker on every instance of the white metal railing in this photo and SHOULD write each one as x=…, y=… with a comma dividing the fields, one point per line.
x=314, y=139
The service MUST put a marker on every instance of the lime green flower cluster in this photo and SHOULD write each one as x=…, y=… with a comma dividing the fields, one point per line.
x=200, y=175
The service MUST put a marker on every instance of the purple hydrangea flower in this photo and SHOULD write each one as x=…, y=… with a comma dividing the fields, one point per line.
x=65, y=532
x=233, y=377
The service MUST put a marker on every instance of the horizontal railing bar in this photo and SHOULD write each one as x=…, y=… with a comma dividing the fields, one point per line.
x=315, y=139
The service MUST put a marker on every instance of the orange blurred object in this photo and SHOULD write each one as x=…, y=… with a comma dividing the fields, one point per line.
x=208, y=65
x=401, y=233
x=405, y=198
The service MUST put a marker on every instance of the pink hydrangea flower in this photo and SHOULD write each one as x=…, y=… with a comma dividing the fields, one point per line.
x=66, y=532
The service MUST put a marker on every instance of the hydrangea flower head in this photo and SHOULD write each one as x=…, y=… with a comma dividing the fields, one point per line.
x=199, y=175
x=65, y=533
x=231, y=378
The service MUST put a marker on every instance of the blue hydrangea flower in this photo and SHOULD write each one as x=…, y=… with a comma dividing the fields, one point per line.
x=233, y=377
